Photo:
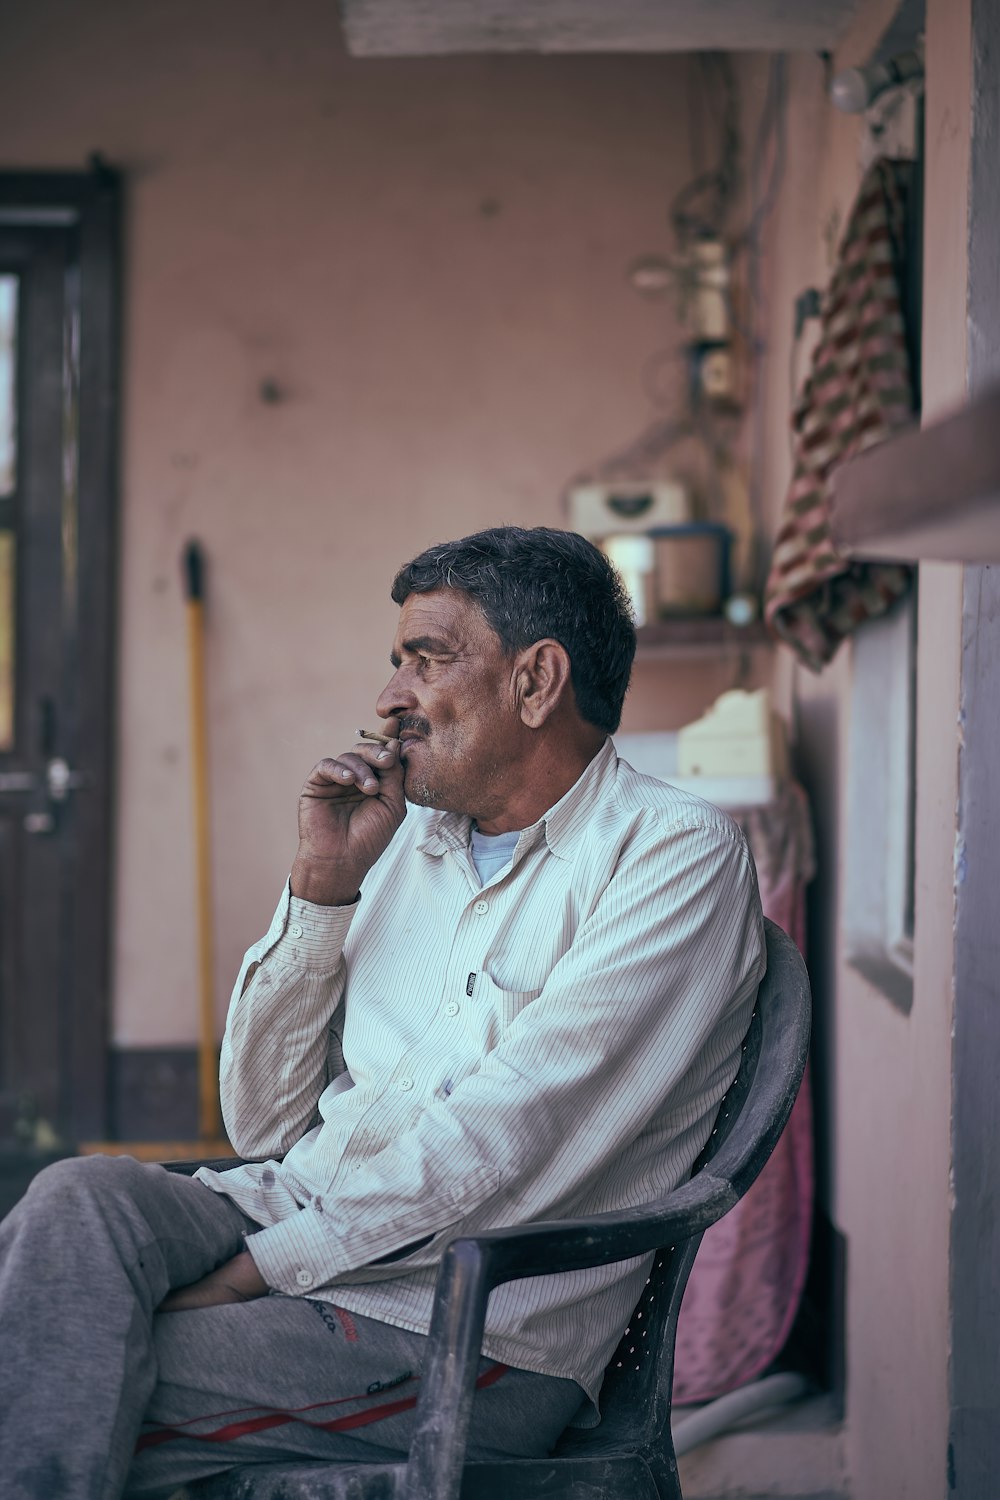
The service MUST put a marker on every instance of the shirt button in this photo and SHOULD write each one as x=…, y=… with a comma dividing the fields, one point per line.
x=295, y=930
x=481, y=908
x=451, y=1009
x=405, y=1084
x=303, y=1278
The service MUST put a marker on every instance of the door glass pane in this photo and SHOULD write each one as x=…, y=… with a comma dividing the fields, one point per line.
x=8, y=384
x=7, y=555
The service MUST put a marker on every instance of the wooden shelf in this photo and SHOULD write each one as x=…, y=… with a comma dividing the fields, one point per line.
x=930, y=494
x=403, y=28
x=700, y=634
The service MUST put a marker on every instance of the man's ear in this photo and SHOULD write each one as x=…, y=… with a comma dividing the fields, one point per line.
x=542, y=678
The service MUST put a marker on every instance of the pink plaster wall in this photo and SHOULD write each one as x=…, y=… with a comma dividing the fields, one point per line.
x=427, y=258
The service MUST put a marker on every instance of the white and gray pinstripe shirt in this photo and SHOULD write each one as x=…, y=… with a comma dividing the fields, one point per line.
x=444, y=1058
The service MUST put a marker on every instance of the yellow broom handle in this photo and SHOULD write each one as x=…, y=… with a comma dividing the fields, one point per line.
x=209, y=1123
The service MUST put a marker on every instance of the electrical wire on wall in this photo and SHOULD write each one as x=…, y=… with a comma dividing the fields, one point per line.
x=686, y=468
x=715, y=273
x=770, y=142
x=703, y=269
x=702, y=207
x=767, y=171
x=699, y=213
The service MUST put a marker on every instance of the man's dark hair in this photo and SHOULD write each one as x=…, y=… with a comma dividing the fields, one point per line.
x=536, y=583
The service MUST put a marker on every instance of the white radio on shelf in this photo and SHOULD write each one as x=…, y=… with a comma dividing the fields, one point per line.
x=605, y=508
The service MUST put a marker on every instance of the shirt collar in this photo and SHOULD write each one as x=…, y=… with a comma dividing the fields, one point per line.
x=561, y=826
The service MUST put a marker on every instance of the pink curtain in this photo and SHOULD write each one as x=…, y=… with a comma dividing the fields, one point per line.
x=746, y=1283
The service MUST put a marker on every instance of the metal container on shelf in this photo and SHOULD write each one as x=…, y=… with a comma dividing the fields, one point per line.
x=691, y=568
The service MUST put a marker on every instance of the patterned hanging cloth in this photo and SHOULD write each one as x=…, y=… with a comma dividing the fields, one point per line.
x=859, y=392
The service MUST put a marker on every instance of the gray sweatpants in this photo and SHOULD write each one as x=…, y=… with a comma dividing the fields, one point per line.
x=100, y=1396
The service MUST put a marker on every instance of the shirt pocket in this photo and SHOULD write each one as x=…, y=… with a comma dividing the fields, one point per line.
x=522, y=954
x=495, y=1006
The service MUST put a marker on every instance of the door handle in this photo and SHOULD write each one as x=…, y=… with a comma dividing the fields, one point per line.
x=60, y=779
x=18, y=781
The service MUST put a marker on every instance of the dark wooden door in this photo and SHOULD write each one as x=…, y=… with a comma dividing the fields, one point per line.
x=57, y=397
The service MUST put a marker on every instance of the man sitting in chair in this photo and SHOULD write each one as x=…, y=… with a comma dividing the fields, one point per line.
x=520, y=1000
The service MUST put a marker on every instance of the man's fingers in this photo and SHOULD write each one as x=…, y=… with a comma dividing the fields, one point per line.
x=365, y=765
x=349, y=808
x=359, y=769
x=362, y=767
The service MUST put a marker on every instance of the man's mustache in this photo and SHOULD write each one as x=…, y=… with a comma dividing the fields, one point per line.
x=416, y=723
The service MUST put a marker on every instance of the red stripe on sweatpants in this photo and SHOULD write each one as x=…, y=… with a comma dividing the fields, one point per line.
x=238, y=1411
x=282, y=1418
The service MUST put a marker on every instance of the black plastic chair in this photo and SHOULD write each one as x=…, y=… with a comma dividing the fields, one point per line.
x=630, y=1455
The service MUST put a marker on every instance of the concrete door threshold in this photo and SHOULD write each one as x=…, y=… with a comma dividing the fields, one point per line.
x=790, y=1453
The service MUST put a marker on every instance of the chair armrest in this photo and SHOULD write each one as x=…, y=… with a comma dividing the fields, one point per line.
x=574, y=1244
x=217, y=1164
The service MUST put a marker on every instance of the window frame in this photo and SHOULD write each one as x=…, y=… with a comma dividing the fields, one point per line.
x=881, y=794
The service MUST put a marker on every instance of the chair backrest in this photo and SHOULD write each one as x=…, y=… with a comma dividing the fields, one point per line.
x=635, y=1397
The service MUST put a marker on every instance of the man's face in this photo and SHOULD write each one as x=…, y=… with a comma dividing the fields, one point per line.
x=452, y=691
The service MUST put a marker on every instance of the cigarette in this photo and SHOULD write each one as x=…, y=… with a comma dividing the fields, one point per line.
x=370, y=734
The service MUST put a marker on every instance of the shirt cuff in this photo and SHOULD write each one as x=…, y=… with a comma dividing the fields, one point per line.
x=308, y=1249
x=293, y=1256
x=307, y=936
x=298, y=1257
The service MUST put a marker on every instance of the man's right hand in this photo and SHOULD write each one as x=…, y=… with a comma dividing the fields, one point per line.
x=349, y=809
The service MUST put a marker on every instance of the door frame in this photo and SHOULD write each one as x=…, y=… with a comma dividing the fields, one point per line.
x=974, y=1295
x=90, y=202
